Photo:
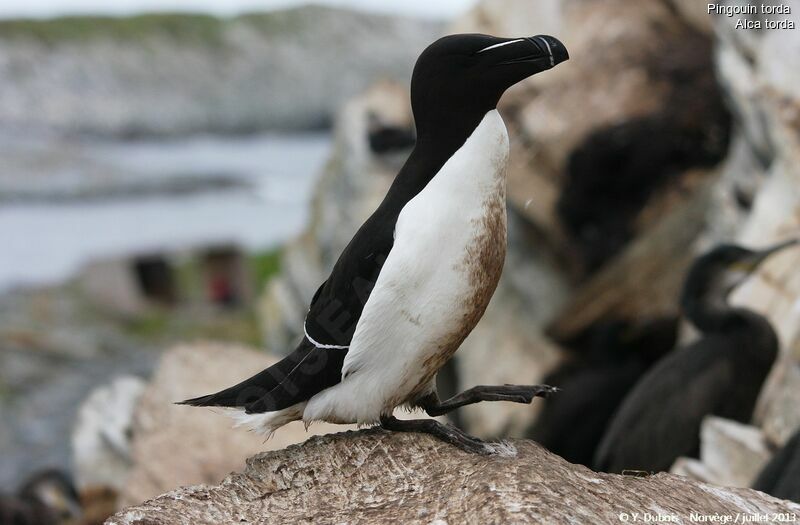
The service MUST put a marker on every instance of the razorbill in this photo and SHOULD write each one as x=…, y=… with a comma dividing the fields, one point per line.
x=419, y=273
x=720, y=374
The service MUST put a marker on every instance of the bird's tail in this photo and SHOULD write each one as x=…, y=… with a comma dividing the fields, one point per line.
x=239, y=396
x=293, y=379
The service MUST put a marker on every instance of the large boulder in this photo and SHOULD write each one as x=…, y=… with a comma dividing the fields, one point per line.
x=758, y=70
x=778, y=410
x=731, y=454
x=614, y=131
x=377, y=477
x=173, y=446
x=644, y=280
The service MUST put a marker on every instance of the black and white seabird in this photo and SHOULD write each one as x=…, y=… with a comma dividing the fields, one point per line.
x=721, y=373
x=419, y=273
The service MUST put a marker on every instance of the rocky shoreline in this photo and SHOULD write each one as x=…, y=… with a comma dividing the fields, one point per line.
x=179, y=74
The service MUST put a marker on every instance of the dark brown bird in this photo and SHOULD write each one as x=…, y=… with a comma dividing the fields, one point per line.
x=609, y=358
x=721, y=373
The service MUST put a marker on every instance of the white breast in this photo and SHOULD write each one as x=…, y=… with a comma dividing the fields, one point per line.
x=434, y=286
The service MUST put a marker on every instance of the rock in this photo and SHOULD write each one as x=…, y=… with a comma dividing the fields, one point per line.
x=390, y=122
x=731, y=454
x=374, y=477
x=54, y=351
x=111, y=285
x=173, y=74
x=693, y=469
x=778, y=408
x=173, y=446
x=101, y=438
x=645, y=280
x=510, y=18
x=735, y=452
x=582, y=150
x=695, y=13
x=733, y=194
x=758, y=71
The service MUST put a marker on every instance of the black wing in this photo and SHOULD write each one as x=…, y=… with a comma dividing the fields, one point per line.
x=660, y=419
x=331, y=321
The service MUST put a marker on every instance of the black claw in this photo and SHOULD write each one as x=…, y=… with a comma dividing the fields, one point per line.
x=446, y=433
x=511, y=393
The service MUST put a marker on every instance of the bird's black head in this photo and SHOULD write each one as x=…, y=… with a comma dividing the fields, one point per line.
x=462, y=77
x=716, y=274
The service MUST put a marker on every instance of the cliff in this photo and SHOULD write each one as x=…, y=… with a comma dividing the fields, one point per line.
x=174, y=74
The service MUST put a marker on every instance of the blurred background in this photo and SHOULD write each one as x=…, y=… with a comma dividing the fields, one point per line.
x=177, y=178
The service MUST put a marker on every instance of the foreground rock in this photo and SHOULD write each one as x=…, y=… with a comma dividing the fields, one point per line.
x=376, y=477
x=731, y=454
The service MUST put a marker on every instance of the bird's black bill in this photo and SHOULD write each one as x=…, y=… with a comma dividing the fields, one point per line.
x=762, y=255
x=778, y=247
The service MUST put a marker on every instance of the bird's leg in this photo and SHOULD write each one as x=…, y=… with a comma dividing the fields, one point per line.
x=446, y=433
x=513, y=393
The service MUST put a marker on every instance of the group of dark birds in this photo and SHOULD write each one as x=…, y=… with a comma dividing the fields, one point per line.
x=620, y=409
